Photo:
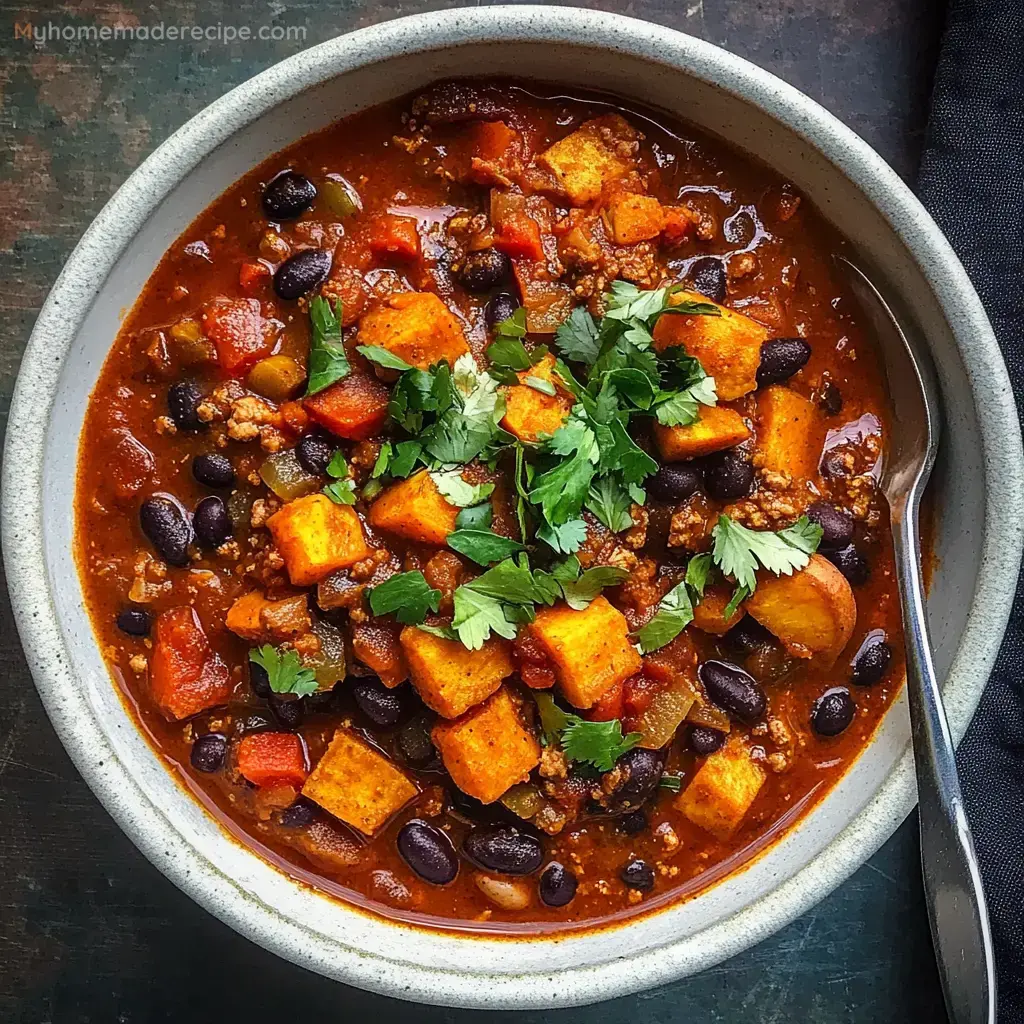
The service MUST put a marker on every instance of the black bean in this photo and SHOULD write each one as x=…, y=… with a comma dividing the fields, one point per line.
x=704, y=740
x=166, y=523
x=505, y=850
x=212, y=469
x=500, y=307
x=484, y=269
x=323, y=702
x=707, y=276
x=836, y=525
x=428, y=851
x=831, y=399
x=675, y=482
x=780, y=359
x=299, y=815
x=637, y=774
x=287, y=710
x=728, y=475
x=633, y=823
x=259, y=681
x=833, y=711
x=302, y=273
x=208, y=752
x=183, y=398
x=212, y=522
x=467, y=807
x=639, y=875
x=288, y=195
x=314, y=452
x=733, y=690
x=134, y=621
x=557, y=885
x=414, y=743
x=851, y=563
x=871, y=662
x=747, y=635
x=381, y=706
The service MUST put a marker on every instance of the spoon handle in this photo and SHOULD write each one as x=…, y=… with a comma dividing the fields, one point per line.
x=957, y=910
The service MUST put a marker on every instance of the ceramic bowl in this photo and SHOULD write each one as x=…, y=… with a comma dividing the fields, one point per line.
x=977, y=491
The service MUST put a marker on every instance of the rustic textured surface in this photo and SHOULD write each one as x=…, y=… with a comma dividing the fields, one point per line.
x=89, y=932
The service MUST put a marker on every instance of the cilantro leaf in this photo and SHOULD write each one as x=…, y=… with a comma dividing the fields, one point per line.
x=739, y=595
x=579, y=593
x=337, y=467
x=510, y=582
x=285, y=672
x=444, y=632
x=697, y=571
x=610, y=502
x=477, y=517
x=483, y=546
x=457, y=491
x=577, y=337
x=341, y=492
x=408, y=595
x=553, y=719
x=545, y=387
x=561, y=490
x=407, y=454
x=383, y=463
x=598, y=743
x=564, y=539
x=382, y=357
x=477, y=615
x=327, y=359
x=507, y=354
x=674, y=614
x=738, y=550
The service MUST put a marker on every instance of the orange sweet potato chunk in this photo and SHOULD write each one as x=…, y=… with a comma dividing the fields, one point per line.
x=394, y=237
x=237, y=330
x=709, y=612
x=315, y=537
x=254, y=617
x=720, y=794
x=488, y=750
x=728, y=346
x=715, y=428
x=417, y=327
x=812, y=612
x=355, y=407
x=589, y=159
x=376, y=645
x=790, y=432
x=272, y=759
x=186, y=675
x=415, y=509
x=529, y=413
x=635, y=219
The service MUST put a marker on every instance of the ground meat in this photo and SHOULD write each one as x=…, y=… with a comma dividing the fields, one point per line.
x=444, y=572
x=248, y=415
x=262, y=509
x=691, y=523
x=636, y=536
x=553, y=764
x=642, y=589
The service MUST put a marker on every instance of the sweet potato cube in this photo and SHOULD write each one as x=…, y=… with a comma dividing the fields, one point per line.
x=186, y=675
x=586, y=161
x=316, y=536
x=395, y=237
x=355, y=407
x=715, y=428
x=415, y=509
x=238, y=331
x=720, y=794
x=417, y=327
x=709, y=612
x=253, y=617
x=529, y=412
x=635, y=219
x=449, y=678
x=590, y=649
x=377, y=646
x=728, y=346
x=812, y=612
x=488, y=749
x=790, y=433
x=358, y=785
x=272, y=759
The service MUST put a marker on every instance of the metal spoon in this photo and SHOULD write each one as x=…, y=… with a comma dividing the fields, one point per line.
x=952, y=882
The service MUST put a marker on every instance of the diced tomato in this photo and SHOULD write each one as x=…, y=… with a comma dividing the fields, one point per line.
x=294, y=418
x=640, y=690
x=186, y=675
x=679, y=223
x=253, y=277
x=236, y=328
x=535, y=668
x=608, y=706
x=130, y=463
x=519, y=236
x=493, y=138
x=396, y=237
x=272, y=759
x=354, y=408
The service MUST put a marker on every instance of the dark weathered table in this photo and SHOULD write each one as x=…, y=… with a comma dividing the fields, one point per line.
x=89, y=931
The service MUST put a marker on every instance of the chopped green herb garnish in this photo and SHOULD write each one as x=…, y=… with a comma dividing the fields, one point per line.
x=408, y=595
x=673, y=783
x=674, y=614
x=738, y=550
x=598, y=743
x=457, y=491
x=342, y=490
x=284, y=670
x=545, y=387
x=483, y=546
x=328, y=362
x=382, y=357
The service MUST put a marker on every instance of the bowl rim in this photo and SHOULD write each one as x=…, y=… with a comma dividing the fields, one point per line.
x=102, y=246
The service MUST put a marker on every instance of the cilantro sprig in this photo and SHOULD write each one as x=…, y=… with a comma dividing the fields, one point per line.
x=328, y=362
x=599, y=744
x=407, y=595
x=342, y=488
x=285, y=672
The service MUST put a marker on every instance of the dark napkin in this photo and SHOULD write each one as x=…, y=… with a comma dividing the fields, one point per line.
x=972, y=181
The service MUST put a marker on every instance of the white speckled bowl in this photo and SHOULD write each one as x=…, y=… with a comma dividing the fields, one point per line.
x=978, y=488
